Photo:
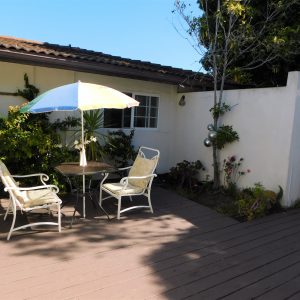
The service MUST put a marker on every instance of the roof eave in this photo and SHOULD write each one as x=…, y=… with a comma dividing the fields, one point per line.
x=8, y=55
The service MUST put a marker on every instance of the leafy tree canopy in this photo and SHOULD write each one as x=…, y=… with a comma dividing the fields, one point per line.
x=274, y=25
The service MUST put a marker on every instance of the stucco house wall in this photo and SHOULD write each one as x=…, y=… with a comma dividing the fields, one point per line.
x=11, y=79
x=267, y=120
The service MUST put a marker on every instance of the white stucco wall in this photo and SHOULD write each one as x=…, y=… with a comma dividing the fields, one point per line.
x=11, y=78
x=293, y=180
x=266, y=120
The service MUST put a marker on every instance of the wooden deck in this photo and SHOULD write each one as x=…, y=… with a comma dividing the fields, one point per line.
x=182, y=251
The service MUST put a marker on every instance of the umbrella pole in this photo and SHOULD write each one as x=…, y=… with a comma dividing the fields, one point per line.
x=83, y=176
x=82, y=129
x=83, y=198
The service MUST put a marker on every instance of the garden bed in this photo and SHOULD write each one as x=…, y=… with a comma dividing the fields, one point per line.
x=242, y=205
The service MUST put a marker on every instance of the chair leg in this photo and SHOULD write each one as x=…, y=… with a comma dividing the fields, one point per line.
x=100, y=197
x=119, y=207
x=7, y=210
x=149, y=202
x=13, y=222
x=59, y=217
x=100, y=188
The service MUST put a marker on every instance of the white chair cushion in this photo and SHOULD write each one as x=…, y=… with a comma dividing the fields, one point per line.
x=39, y=197
x=142, y=167
x=7, y=174
x=116, y=188
x=9, y=181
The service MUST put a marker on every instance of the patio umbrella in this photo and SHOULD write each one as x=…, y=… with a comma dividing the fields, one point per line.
x=79, y=96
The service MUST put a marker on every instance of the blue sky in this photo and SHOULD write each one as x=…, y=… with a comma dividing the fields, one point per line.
x=136, y=29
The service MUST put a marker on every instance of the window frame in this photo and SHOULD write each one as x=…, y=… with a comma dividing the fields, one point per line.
x=132, y=113
x=148, y=117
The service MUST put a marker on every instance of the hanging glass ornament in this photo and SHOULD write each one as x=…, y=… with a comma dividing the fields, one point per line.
x=207, y=142
x=210, y=127
x=212, y=135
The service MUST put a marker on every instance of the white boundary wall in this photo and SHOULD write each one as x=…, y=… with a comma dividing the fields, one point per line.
x=267, y=120
x=268, y=123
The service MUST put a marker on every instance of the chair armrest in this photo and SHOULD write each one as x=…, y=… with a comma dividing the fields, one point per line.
x=43, y=177
x=124, y=180
x=125, y=168
x=124, y=171
x=140, y=177
x=40, y=187
x=115, y=171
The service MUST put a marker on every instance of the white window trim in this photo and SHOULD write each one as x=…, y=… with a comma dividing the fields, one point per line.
x=133, y=94
x=133, y=109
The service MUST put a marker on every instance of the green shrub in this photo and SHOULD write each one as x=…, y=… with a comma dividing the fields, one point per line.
x=225, y=135
x=119, y=148
x=230, y=209
x=29, y=145
x=296, y=204
x=184, y=174
x=93, y=121
x=256, y=202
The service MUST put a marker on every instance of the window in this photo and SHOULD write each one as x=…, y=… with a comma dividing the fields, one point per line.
x=143, y=116
x=118, y=118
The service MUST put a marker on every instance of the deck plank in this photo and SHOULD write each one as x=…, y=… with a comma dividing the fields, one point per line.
x=182, y=250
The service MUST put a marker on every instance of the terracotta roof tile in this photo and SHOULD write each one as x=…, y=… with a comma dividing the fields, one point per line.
x=22, y=46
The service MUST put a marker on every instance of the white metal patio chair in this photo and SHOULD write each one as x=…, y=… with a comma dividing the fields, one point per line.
x=138, y=182
x=28, y=199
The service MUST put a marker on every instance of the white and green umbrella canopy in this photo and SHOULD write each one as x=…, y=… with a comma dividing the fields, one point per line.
x=79, y=96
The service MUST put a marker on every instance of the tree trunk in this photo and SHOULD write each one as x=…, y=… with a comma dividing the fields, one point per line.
x=216, y=184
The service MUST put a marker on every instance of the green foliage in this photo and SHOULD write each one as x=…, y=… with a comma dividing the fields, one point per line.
x=219, y=110
x=119, y=148
x=239, y=76
x=93, y=121
x=184, y=174
x=265, y=42
x=253, y=202
x=230, y=209
x=296, y=204
x=256, y=202
x=68, y=122
x=29, y=146
x=225, y=135
x=30, y=91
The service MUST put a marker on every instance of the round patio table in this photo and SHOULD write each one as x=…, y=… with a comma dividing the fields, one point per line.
x=73, y=169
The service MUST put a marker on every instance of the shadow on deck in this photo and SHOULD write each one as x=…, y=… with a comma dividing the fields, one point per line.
x=184, y=250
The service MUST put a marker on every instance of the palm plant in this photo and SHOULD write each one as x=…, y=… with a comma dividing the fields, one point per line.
x=93, y=121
